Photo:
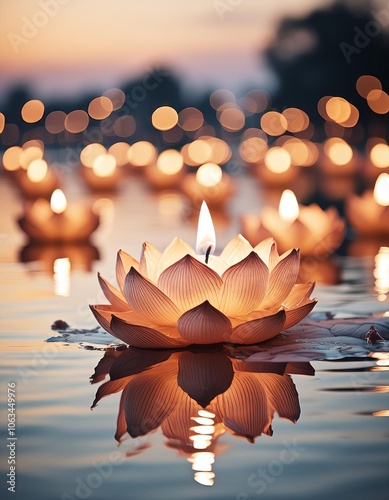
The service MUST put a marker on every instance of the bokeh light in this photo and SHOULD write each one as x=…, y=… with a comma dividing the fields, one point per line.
x=116, y=96
x=381, y=190
x=55, y=122
x=33, y=111
x=164, y=118
x=37, y=170
x=76, y=121
x=190, y=119
x=278, y=160
x=125, y=126
x=367, y=83
x=100, y=108
x=90, y=153
x=209, y=174
x=104, y=165
x=379, y=155
x=170, y=162
x=11, y=158
x=338, y=150
x=120, y=151
x=274, y=123
x=141, y=153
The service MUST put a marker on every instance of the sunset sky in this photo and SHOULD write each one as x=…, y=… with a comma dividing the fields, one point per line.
x=96, y=44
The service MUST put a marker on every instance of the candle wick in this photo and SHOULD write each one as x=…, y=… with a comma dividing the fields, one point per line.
x=208, y=253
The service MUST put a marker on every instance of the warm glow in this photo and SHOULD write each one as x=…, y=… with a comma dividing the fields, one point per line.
x=232, y=118
x=288, y=208
x=58, y=201
x=170, y=162
x=120, y=151
x=220, y=97
x=339, y=152
x=253, y=149
x=76, y=121
x=141, y=153
x=55, y=122
x=62, y=277
x=381, y=273
x=338, y=109
x=33, y=111
x=296, y=118
x=104, y=165
x=366, y=83
x=206, y=414
x=29, y=154
x=124, y=126
x=206, y=237
x=164, y=118
x=381, y=190
x=378, y=101
x=190, y=119
x=90, y=153
x=203, y=420
x=11, y=158
x=199, y=151
x=2, y=122
x=379, y=155
x=116, y=96
x=273, y=123
x=205, y=478
x=37, y=170
x=278, y=160
x=209, y=174
x=100, y=108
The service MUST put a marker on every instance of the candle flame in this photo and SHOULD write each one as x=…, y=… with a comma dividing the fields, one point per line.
x=37, y=170
x=381, y=190
x=206, y=237
x=288, y=208
x=58, y=201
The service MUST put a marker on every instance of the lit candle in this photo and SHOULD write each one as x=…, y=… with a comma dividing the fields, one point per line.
x=369, y=213
x=209, y=183
x=56, y=222
x=38, y=180
x=104, y=174
x=339, y=158
x=206, y=237
x=167, y=171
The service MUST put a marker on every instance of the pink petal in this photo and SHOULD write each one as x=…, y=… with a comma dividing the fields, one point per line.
x=149, y=261
x=299, y=293
x=189, y=283
x=204, y=375
x=150, y=398
x=148, y=301
x=103, y=314
x=295, y=315
x=143, y=336
x=236, y=250
x=177, y=249
x=124, y=262
x=264, y=248
x=244, y=286
x=113, y=295
x=204, y=325
x=244, y=408
x=282, y=278
x=282, y=395
x=258, y=330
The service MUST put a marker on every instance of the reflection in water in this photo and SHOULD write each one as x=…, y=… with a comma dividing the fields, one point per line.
x=381, y=273
x=61, y=270
x=196, y=396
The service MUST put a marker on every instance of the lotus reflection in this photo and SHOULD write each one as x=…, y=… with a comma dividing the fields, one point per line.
x=196, y=396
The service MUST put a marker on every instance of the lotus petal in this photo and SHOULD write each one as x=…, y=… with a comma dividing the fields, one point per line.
x=258, y=330
x=177, y=425
x=264, y=248
x=177, y=249
x=203, y=376
x=282, y=395
x=244, y=286
x=124, y=262
x=121, y=424
x=143, y=336
x=189, y=283
x=103, y=314
x=113, y=295
x=236, y=250
x=204, y=325
x=133, y=361
x=149, y=261
x=295, y=315
x=282, y=278
x=299, y=293
x=110, y=387
x=150, y=398
x=148, y=301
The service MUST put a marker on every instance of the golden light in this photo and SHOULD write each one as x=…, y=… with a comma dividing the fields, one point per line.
x=37, y=170
x=203, y=420
x=255, y=101
x=253, y=149
x=205, y=478
x=61, y=270
x=2, y=122
x=274, y=123
x=379, y=155
x=381, y=273
x=278, y=160
x=170, y=162
x=221, y=151
x=220, y=97
x=141, y=153
x=203, y=429
x=164, y=118
x=100, y=108
x=11, y=158
x=381, y=190
x=199, y=151
x=124, y=126
x=206, y=414
x=58, y=202
x=120, y=151
x=321, y=106
x=352, y=120
x=104, y=165
x=378, y=101
x=190, y=119
x=297, y=119
x=338, y=109
x=33, y=111
x=202, y=460
x=298, y=150
x=338, y=151
x=116, y=96
x=90, y=153
x=55, y=122
x=232, y=119
x=209, y=174
x=76, y=121
x=206, y=236
x=288, y=207
x=30, y=154
x=367, y=83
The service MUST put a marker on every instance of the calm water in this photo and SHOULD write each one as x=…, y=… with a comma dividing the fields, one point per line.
x=338, y=448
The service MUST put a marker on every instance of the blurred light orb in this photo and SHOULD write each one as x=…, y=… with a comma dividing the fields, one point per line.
x=170, y=162
x=199, y=151
x=55, y=122
x=32, y=111
x=190, y=119
x=37, y=170
x=30, y=154
x=2, y=122
x=367, y=83
x=104, y=165
x=338, y=109
x=76, y=121
x=209, y=174
x=90, y=153
x=381, y=190
x=164, y=118
x=379, y=155
x=141, y=153
x=120, y=151
x=378, y=101
x=297, y=120
x=124, y=126
x=100, y=108
x=11, y=158
x=220, y=97
x=116, y=96
x=253, y=149
x=273, y=123
x=338, y=151
x=232, y=119
x=278, y=160
x=58, y=201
